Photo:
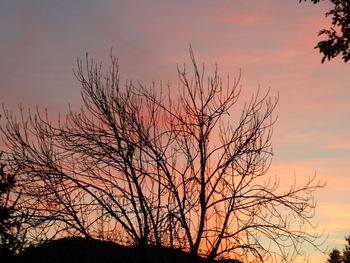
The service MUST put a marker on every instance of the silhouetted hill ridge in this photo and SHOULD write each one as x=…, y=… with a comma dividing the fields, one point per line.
x=77, y=249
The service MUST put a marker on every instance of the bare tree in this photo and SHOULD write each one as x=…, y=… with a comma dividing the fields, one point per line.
x=173, y=167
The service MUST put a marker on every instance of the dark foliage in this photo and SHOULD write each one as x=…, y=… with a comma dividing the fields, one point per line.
x=346, y=251
x=8, y=241
x=338, y=35
x=335, y=256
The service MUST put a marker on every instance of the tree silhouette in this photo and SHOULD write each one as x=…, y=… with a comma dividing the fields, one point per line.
x=179, y=168
x=9, y=239
x=335, y=256
x=338, y=36
x=346, y=251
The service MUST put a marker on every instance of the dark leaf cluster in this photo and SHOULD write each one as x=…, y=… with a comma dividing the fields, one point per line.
x=338, y=35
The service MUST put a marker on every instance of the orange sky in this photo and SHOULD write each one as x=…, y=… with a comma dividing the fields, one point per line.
x=271, y=41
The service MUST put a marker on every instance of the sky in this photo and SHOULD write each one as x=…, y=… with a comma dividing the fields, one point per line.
x=270, y=41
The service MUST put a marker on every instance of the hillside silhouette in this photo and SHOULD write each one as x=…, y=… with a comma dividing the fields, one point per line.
x=77, y=249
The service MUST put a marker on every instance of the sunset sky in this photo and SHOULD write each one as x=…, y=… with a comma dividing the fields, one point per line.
x=270, y=41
